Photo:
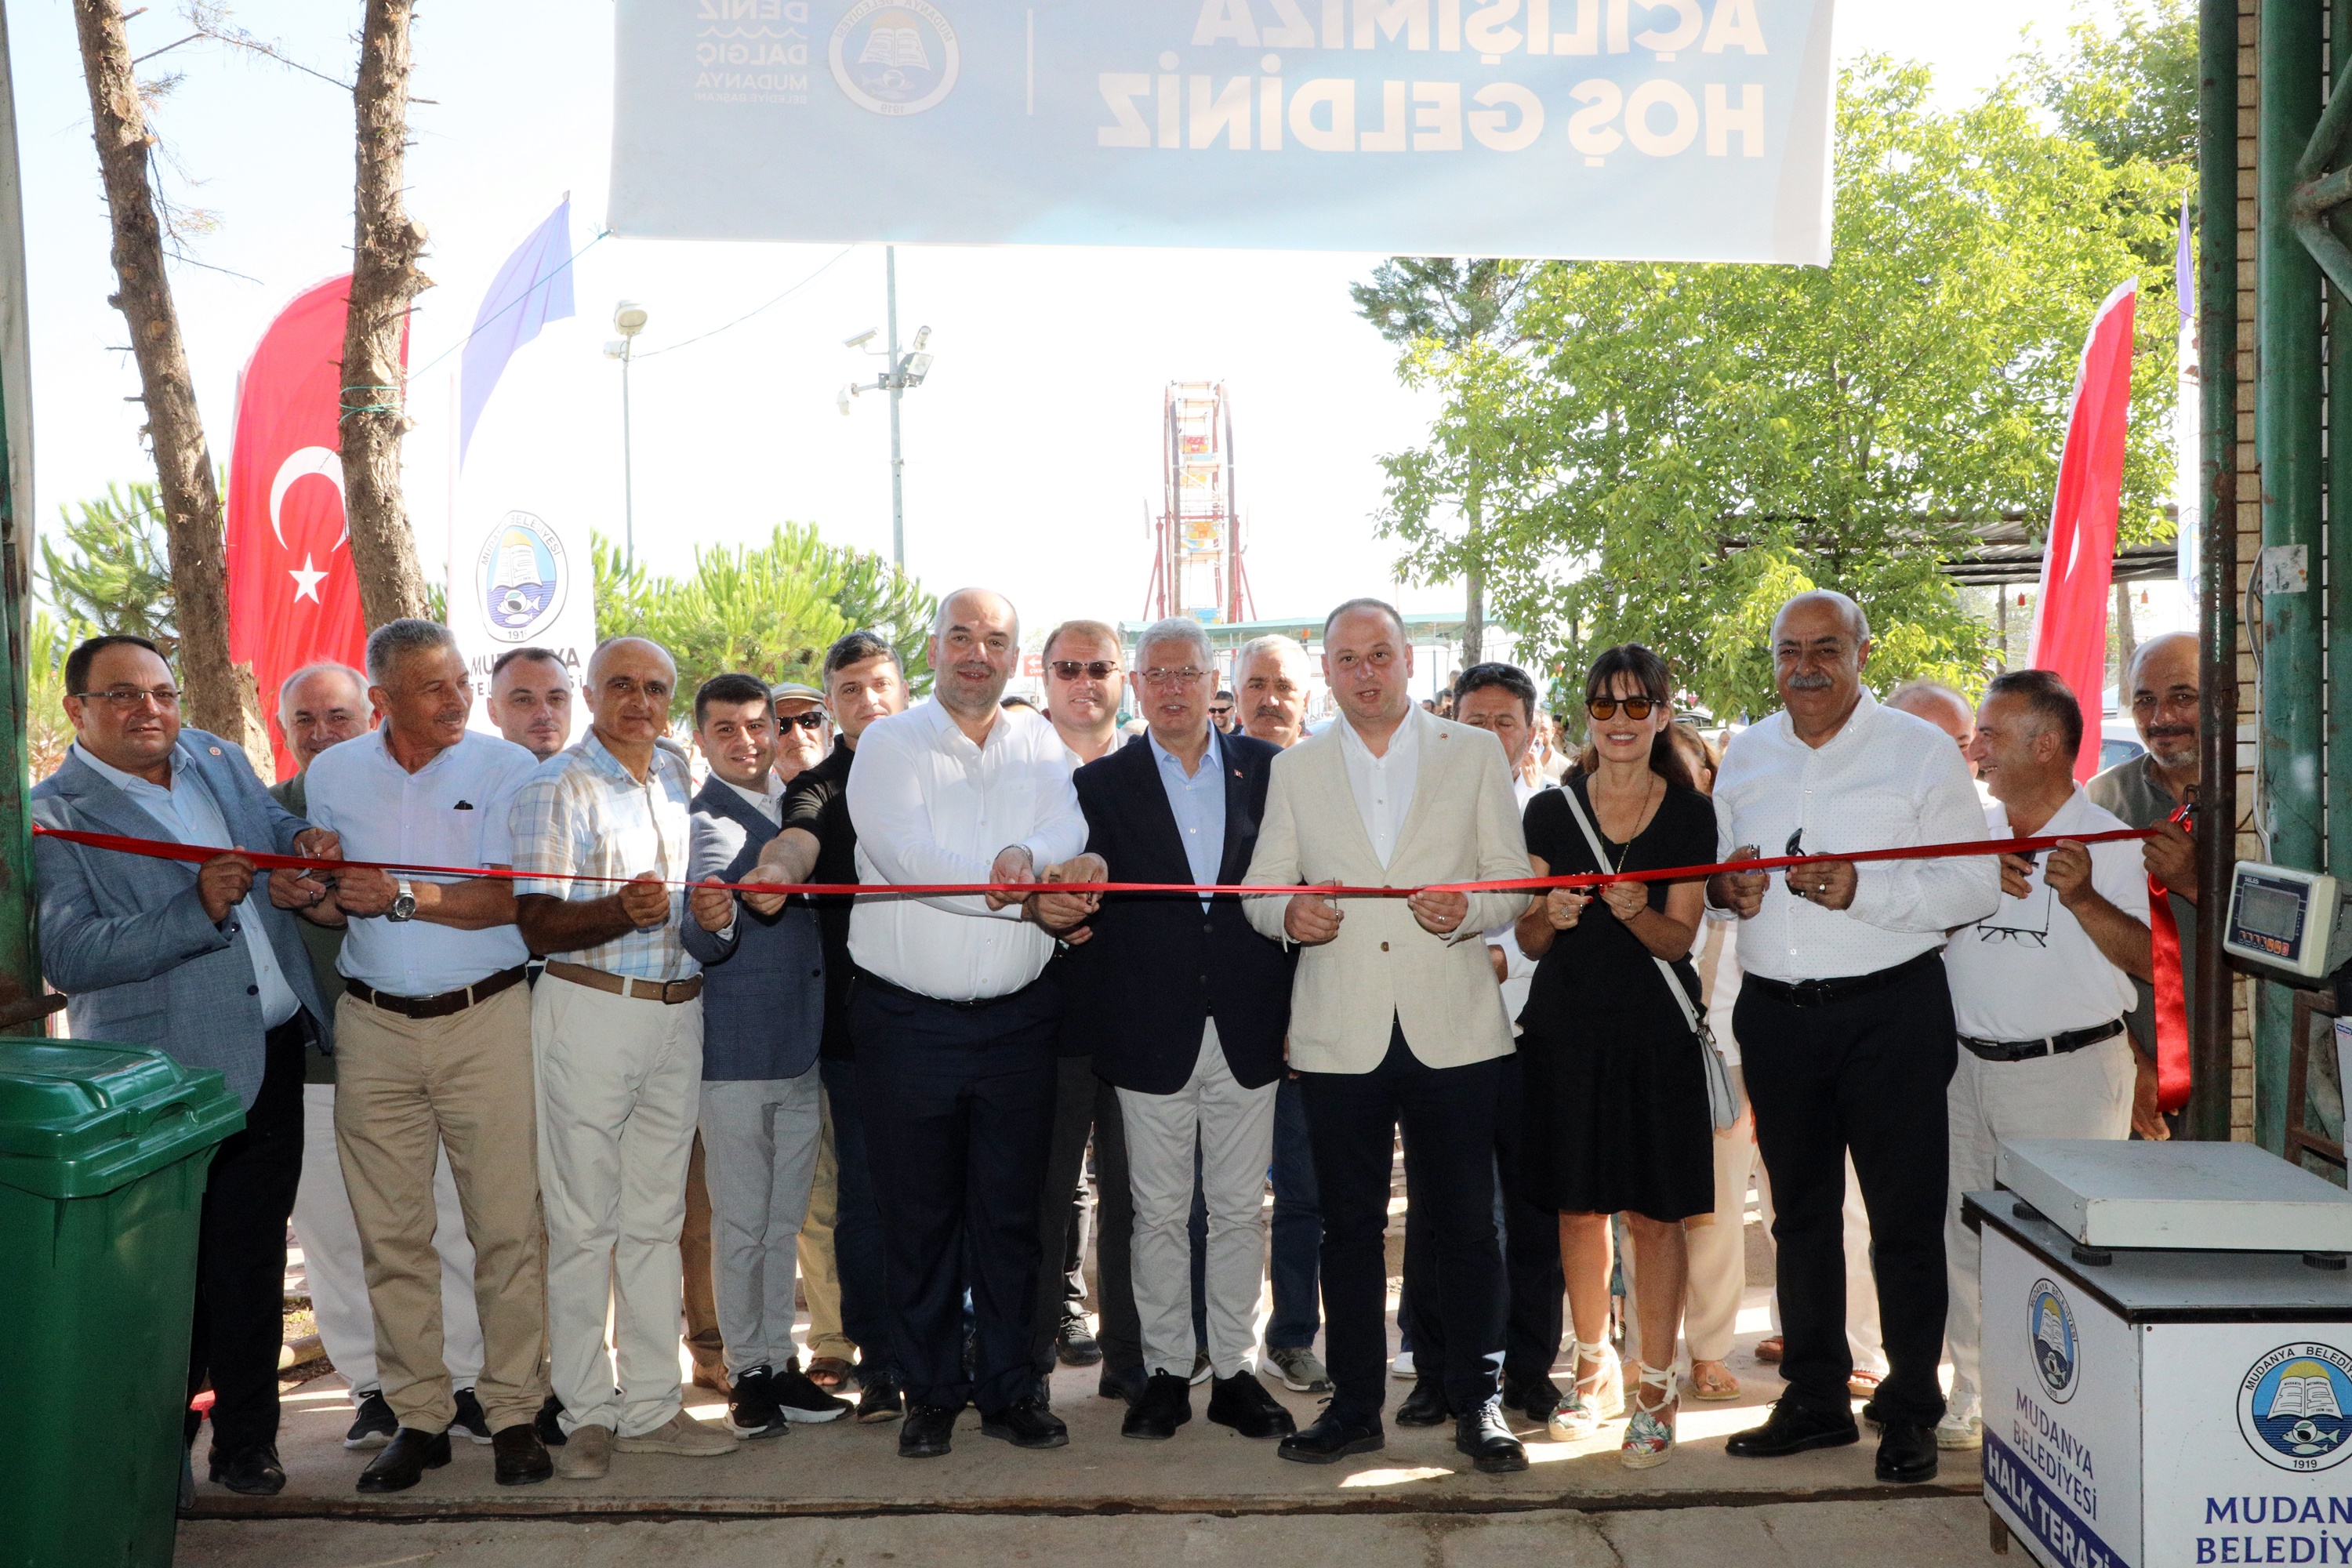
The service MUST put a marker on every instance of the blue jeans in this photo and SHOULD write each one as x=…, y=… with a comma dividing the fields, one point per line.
x=1297, y=1241
x=857, y=1229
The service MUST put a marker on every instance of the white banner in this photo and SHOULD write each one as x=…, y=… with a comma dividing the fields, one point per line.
x=1663, y=130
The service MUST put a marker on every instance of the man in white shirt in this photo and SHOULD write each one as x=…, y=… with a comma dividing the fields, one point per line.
x=1845, y=1020
x=955, y=1032
x=435, y=1034
x=1500, y=699
x=2040, y=986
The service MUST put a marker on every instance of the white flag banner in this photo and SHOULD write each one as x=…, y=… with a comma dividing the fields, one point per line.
x=1661, y=130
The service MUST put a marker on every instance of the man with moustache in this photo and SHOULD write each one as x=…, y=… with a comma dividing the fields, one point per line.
x=763, y=1016
x=180, y=957
x=1396, y=1017
x=863, y=683
x=2144, y=792
x=1845, y=1019
x=531, y=699
x=616, y=1038
x=955, y=1027
x=1270, y=680
x=1085, y=681
x=435, y=1051
x=319, y=706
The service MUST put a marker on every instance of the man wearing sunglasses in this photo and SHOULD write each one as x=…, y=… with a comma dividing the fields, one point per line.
x=1845, y=1006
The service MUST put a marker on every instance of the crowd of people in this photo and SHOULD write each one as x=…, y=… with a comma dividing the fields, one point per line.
x=525, y=1119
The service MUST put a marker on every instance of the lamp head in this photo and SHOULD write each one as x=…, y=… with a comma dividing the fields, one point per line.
x=922, y=336
x=860, y=341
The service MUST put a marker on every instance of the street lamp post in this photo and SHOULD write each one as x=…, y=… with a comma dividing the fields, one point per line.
x=905, y=371
x=628, y=320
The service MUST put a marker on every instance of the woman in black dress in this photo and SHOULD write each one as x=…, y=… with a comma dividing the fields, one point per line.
x=1616, y=1105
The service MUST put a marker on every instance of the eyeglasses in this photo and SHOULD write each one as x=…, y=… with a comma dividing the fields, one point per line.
x=1183, y=675
x=1635, y=706
x=812, y=720
x=1092, y=668
x=125, y=697
x=1221, y=708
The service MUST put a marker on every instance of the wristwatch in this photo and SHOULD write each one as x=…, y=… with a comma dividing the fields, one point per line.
x=403, y=903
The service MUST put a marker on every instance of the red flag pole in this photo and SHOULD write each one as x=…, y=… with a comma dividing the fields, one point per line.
x=2070, y=623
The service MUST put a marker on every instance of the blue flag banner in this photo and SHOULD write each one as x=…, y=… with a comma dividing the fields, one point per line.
x=531, y=289
x=1678, y=130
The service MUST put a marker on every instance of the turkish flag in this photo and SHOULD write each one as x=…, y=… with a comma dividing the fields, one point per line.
x=2070, y=624
x=293, y=597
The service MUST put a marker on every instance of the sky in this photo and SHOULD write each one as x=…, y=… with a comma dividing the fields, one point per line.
x=1032, y=452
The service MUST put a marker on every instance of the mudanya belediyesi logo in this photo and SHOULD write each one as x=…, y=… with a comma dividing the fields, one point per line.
x=895, y=56
x=2050, y=1333
x=2290, y=1406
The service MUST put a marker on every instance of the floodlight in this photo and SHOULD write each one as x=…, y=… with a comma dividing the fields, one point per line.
x=628, y=317
x=913, y=368
x=922, y=336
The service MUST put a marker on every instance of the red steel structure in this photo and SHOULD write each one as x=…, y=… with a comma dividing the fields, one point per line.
x=1196, y=558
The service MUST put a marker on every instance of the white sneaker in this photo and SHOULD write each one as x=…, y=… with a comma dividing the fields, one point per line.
x=1403, y=1366
x=1959, y=1432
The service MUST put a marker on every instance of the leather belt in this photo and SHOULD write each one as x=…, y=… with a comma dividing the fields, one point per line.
x=669, y=992
x=2048, y=1046
x=439, y=1005
x=1823, y=992
x=974, y=1005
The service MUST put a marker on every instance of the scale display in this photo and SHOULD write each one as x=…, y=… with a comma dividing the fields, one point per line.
x=2286, y=919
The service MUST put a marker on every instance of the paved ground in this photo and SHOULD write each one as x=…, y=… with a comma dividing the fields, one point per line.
x=1915, y=1533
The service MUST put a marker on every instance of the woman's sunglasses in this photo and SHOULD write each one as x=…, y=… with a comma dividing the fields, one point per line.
x=1635, y=706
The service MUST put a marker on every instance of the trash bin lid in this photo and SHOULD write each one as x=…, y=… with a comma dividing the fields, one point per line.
x=79, y=1117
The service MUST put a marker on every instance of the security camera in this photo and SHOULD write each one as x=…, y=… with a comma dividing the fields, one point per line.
x=860, y=341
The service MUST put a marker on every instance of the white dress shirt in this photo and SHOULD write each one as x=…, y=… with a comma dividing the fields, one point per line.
x=2029, y=970
x=770, y=805
x=1519, y=969
x=1382, y=786
x=455, y=810
x=188, y=812
x=1883, y=781
x=930, y=807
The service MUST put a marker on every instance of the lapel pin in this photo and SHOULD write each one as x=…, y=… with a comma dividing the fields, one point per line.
x=215, y=750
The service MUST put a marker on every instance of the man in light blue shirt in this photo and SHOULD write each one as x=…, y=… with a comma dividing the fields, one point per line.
x=436, y=1029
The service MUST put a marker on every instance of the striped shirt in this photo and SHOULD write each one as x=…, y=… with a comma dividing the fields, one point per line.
x=584, y=814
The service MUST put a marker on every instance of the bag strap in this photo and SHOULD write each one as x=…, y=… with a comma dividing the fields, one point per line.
x=1601, y=858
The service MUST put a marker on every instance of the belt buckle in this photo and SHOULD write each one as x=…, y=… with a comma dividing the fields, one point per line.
x=1808, y=993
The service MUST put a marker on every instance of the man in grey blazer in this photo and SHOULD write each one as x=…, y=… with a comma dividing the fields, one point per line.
x=763, y=1018
x=180, y=957
x=1396, y=1018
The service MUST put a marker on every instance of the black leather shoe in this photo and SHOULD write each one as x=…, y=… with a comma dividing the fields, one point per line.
x=254, y=1472
x=1242, y=1403
x=1906, y=1452
x=549, y=1424
x=1123, y=1382
x=1793, y=1429
x=1330, y=1437
x=881, y=1400
x=404, y=1463
x=1166, y=1404
x=1074, y=1345
x=1483, y=1435
x=1535, y=1400
x=521, y=1459
x=1028, y=1423
x=1425, y=1405
x=926, y=1432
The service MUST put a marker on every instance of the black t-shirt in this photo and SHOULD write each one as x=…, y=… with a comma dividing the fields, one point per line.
x=817, y=802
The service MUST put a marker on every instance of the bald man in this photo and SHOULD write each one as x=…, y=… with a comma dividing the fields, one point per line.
x=616, y=1037
x=1940, y=706
x=2145, y=792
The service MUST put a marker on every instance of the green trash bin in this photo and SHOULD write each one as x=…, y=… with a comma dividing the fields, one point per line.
x=103, y=1155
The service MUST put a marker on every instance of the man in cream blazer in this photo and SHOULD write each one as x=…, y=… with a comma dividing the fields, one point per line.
x=1396, y=1017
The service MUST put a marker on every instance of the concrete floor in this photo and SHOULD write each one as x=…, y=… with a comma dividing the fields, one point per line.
x=1916, y=1533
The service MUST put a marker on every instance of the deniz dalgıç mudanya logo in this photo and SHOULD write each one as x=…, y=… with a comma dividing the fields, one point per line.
x=521, y=577
x=895, y=56
x=2050, y=1330
x=2290, y=1406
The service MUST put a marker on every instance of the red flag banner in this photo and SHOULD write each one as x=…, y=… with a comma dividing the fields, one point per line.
x=293, y=597
x=2070, y=623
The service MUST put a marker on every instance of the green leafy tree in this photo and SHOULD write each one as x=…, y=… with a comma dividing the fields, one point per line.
x=47, y=732
x=2130, y=91
x=115, y=575
x=1668, y=451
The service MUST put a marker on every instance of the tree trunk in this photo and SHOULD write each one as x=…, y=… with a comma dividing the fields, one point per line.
x=2126, y=645
x=175, y=429
x=1473, y=617
x=385, y=247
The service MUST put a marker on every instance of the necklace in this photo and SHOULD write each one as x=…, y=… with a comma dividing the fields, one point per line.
x=1639, y=812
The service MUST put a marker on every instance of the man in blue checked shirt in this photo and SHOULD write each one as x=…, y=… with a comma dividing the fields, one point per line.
x=617, y=1036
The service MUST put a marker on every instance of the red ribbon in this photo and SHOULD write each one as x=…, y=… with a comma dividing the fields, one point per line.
x=165, y=850
x=2171, y=991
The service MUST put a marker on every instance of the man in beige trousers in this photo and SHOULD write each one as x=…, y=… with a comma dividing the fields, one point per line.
x=434, y=1028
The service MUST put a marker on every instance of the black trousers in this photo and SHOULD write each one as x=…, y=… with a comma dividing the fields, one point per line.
x=1084, y=1104
x=1865, y=1074
x=958, y=1107
x=1533, y=1322
x=1448, y=1117
x=240, y=1320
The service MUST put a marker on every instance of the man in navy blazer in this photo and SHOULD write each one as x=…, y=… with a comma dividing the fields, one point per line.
x=1186, y=1006
x=179, y=958
x=763, y=1020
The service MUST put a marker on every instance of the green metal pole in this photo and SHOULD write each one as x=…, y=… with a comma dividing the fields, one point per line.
x=2288, y=439
x=2217, y=387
